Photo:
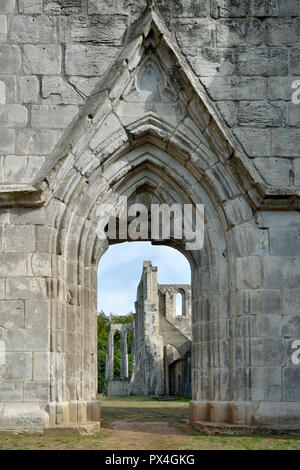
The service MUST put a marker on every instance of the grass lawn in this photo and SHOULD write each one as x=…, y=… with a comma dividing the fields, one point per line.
x=136, y=423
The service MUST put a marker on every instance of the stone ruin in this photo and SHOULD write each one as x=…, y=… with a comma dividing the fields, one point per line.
x=179, y=102
x=161, y=342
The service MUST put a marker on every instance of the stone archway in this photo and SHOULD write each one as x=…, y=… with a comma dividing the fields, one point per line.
x=149, y=130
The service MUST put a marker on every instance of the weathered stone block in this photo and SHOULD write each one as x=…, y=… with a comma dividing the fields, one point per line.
x=275, y=171
x=258, y=302
x=239, y=32
x=297, y=171
x=12, y=264
x=235, y=88
x=60, y=90
x=261, y=114
x=256, y=142
x=43, y=116
x=281, y=272
x=248, y=272
x=19, y=238
x=290, y=323
x=7, y=6
x=22, y=169
x=41, y=366
x=63, y=7
x=84, y=85
x=7, y=140
x=211, y=62
x=88, y=60
x=228, y=110
x=26, y=288
x=281, y=31
x=8, y=84
x=37, y=314
x=39, y=264
x=11, y=314
x=291, y=380
x=279, y=220
x=2, y=288
x=37, y=141
x=18, y=366
x=2, y=92
x=190, y=8
x=262, y=61
x=28, y=216
x=13, y=115
x=249, y=240
x=293, y=115
x=199, y=32
x=289, y=8
x=33, y=418
x=285, y=242
x=266, y=325
x=286, y=142
x=265, y=8
x=44, y=238
x=295, y=61
x=29, y=89
x=229, y=8
x=42, y=59
x=111, y=7
x=36, y=391
x=267, y=352
x=266, y=383
x=3, y=28
x=97, y=28
x=33, y=29
x=30, y=7
x=11, y=391
x=10, y=59
x=27, y=340
x=280, y=88
x=290, y=301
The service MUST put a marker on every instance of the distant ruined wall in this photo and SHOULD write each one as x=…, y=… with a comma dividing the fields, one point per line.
x=153, y=335
x=155, y=343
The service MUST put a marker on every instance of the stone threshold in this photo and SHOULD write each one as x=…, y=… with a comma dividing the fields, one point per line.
x=234, y=429
x=81, y=429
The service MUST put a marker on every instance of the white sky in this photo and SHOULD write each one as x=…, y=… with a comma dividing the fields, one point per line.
x=120, y=270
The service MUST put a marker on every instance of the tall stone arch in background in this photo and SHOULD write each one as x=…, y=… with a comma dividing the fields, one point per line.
x=149, y=131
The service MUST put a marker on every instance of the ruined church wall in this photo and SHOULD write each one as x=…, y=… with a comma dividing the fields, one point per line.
x=246, y=53
x=167, y=306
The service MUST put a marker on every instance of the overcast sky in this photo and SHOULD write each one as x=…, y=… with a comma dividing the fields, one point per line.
x=120, y=270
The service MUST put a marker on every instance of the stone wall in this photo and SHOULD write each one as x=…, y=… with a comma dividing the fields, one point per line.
x=246, y=54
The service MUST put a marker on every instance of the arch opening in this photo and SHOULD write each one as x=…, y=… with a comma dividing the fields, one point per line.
x=133, y=277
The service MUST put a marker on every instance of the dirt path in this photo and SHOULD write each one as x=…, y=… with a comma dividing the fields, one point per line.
x=149, y=435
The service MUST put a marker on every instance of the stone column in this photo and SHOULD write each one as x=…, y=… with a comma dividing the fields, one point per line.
x=124, y=356
x=166, y=371
x=109, y=369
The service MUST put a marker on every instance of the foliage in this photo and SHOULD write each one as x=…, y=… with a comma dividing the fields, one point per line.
x=103, y=329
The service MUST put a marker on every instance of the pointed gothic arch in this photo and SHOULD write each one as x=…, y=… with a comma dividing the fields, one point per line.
x=173, y=149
